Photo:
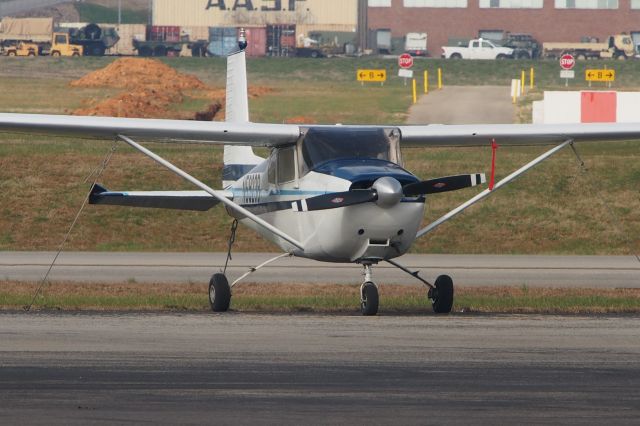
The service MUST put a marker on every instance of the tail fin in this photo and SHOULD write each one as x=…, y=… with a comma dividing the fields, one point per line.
x=238, y=160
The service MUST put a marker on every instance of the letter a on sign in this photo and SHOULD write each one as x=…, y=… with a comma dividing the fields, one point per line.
x=246, y=4
x=219, y=4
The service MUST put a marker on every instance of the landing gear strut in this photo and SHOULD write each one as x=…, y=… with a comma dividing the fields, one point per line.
x=219, y=288
x=369, y=299
x=440, y=293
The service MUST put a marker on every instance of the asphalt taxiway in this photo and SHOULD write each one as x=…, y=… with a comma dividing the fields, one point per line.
x=466, y=270
x=268, y=369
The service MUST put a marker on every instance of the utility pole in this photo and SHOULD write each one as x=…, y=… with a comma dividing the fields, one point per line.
x=119, y=12
x=363, y=24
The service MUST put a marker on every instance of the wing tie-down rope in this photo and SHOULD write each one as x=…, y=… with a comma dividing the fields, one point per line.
x=616, y=220
x=97, y=172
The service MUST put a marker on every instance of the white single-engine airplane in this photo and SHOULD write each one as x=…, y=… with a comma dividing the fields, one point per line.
x=330, y=193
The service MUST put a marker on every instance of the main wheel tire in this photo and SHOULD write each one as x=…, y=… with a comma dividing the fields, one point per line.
x=455, y=56
x=219, y=293
x=524, y=55
x=370, y=299
x=442, y=295
x=56, y=53
x=11, y=53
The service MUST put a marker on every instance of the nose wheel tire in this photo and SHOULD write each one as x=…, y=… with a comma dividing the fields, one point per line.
x=219, y=293
x=369, y=299
x=442, y=295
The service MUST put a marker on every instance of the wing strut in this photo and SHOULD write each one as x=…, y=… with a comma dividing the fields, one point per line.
x=487, y=192
x=234, y=206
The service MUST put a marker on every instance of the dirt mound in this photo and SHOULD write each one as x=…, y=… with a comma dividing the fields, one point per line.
x=152, y=89
x=132, y=73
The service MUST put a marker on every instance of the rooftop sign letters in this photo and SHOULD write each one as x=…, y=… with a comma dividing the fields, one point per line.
x=263, y=5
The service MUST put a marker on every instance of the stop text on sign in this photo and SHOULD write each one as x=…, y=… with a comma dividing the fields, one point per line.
x=567, y=62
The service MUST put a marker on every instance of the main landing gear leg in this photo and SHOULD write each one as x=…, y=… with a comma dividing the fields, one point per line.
x=369, y=298
x=440, y=293
x=219, y=288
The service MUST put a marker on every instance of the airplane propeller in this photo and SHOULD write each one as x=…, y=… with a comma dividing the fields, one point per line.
x=387, y=192
x=443, y=184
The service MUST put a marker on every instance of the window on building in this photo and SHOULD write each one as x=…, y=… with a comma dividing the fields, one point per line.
x=635, y=4
x=379, y=3
x=511, y=4
x=587, y=4
x=435, y=3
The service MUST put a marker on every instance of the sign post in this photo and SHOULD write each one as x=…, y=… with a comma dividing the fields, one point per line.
x=405, y=62
x=567, y=62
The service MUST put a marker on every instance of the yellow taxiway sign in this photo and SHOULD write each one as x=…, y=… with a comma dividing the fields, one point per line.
x=372, y=75
x=600, y=75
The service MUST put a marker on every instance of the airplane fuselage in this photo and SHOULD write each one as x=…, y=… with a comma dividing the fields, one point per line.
x=358, y=233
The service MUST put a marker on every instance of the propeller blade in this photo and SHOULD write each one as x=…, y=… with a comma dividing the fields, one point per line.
x=335, y=200
x=443, y=184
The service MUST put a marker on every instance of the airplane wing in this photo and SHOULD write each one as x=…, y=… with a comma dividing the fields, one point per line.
x=515, y=134
x=251, y=134
x=270, y=135
x=178, y=200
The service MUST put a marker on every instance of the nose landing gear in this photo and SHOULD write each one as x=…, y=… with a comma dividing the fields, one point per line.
x=369, y=299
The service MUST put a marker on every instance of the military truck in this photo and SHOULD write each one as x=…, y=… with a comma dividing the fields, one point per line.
x=94, y=39
x=619, y=46
x=38, y=37
x=34, y=37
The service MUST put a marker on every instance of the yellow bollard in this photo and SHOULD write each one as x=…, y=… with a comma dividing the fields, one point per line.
x=531, y=76
x=439, y=78
x=523, y=76
x=415, y=91
x=426, y=82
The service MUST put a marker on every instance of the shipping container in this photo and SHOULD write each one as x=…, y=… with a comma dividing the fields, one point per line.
x=256, y=41
x=324, y=15
x=222, y=41
x=170, y=33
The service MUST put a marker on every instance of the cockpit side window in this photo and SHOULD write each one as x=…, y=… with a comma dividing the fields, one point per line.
x=286, y=165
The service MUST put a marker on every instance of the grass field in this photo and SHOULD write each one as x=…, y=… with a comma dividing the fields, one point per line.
x=555, y=208
x=307, y=298
x=108, y=15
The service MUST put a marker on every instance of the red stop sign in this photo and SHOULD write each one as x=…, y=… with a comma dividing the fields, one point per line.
x=567, y=61
x=405, y=60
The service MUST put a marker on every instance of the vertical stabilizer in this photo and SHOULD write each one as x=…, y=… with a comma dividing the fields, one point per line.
x=238, y=160
x=237, y=108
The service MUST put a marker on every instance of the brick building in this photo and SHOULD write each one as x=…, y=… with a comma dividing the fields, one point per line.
x=546, y=20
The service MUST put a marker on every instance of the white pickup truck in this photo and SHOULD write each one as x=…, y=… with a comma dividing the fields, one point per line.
x=477, y=49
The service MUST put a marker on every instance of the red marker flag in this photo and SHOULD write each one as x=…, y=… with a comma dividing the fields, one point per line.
x=494, y=148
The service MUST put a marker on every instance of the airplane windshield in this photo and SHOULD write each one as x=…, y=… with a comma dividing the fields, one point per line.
x=324, y=144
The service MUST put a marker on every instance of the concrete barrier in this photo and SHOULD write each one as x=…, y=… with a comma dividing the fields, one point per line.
x=587, y=107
